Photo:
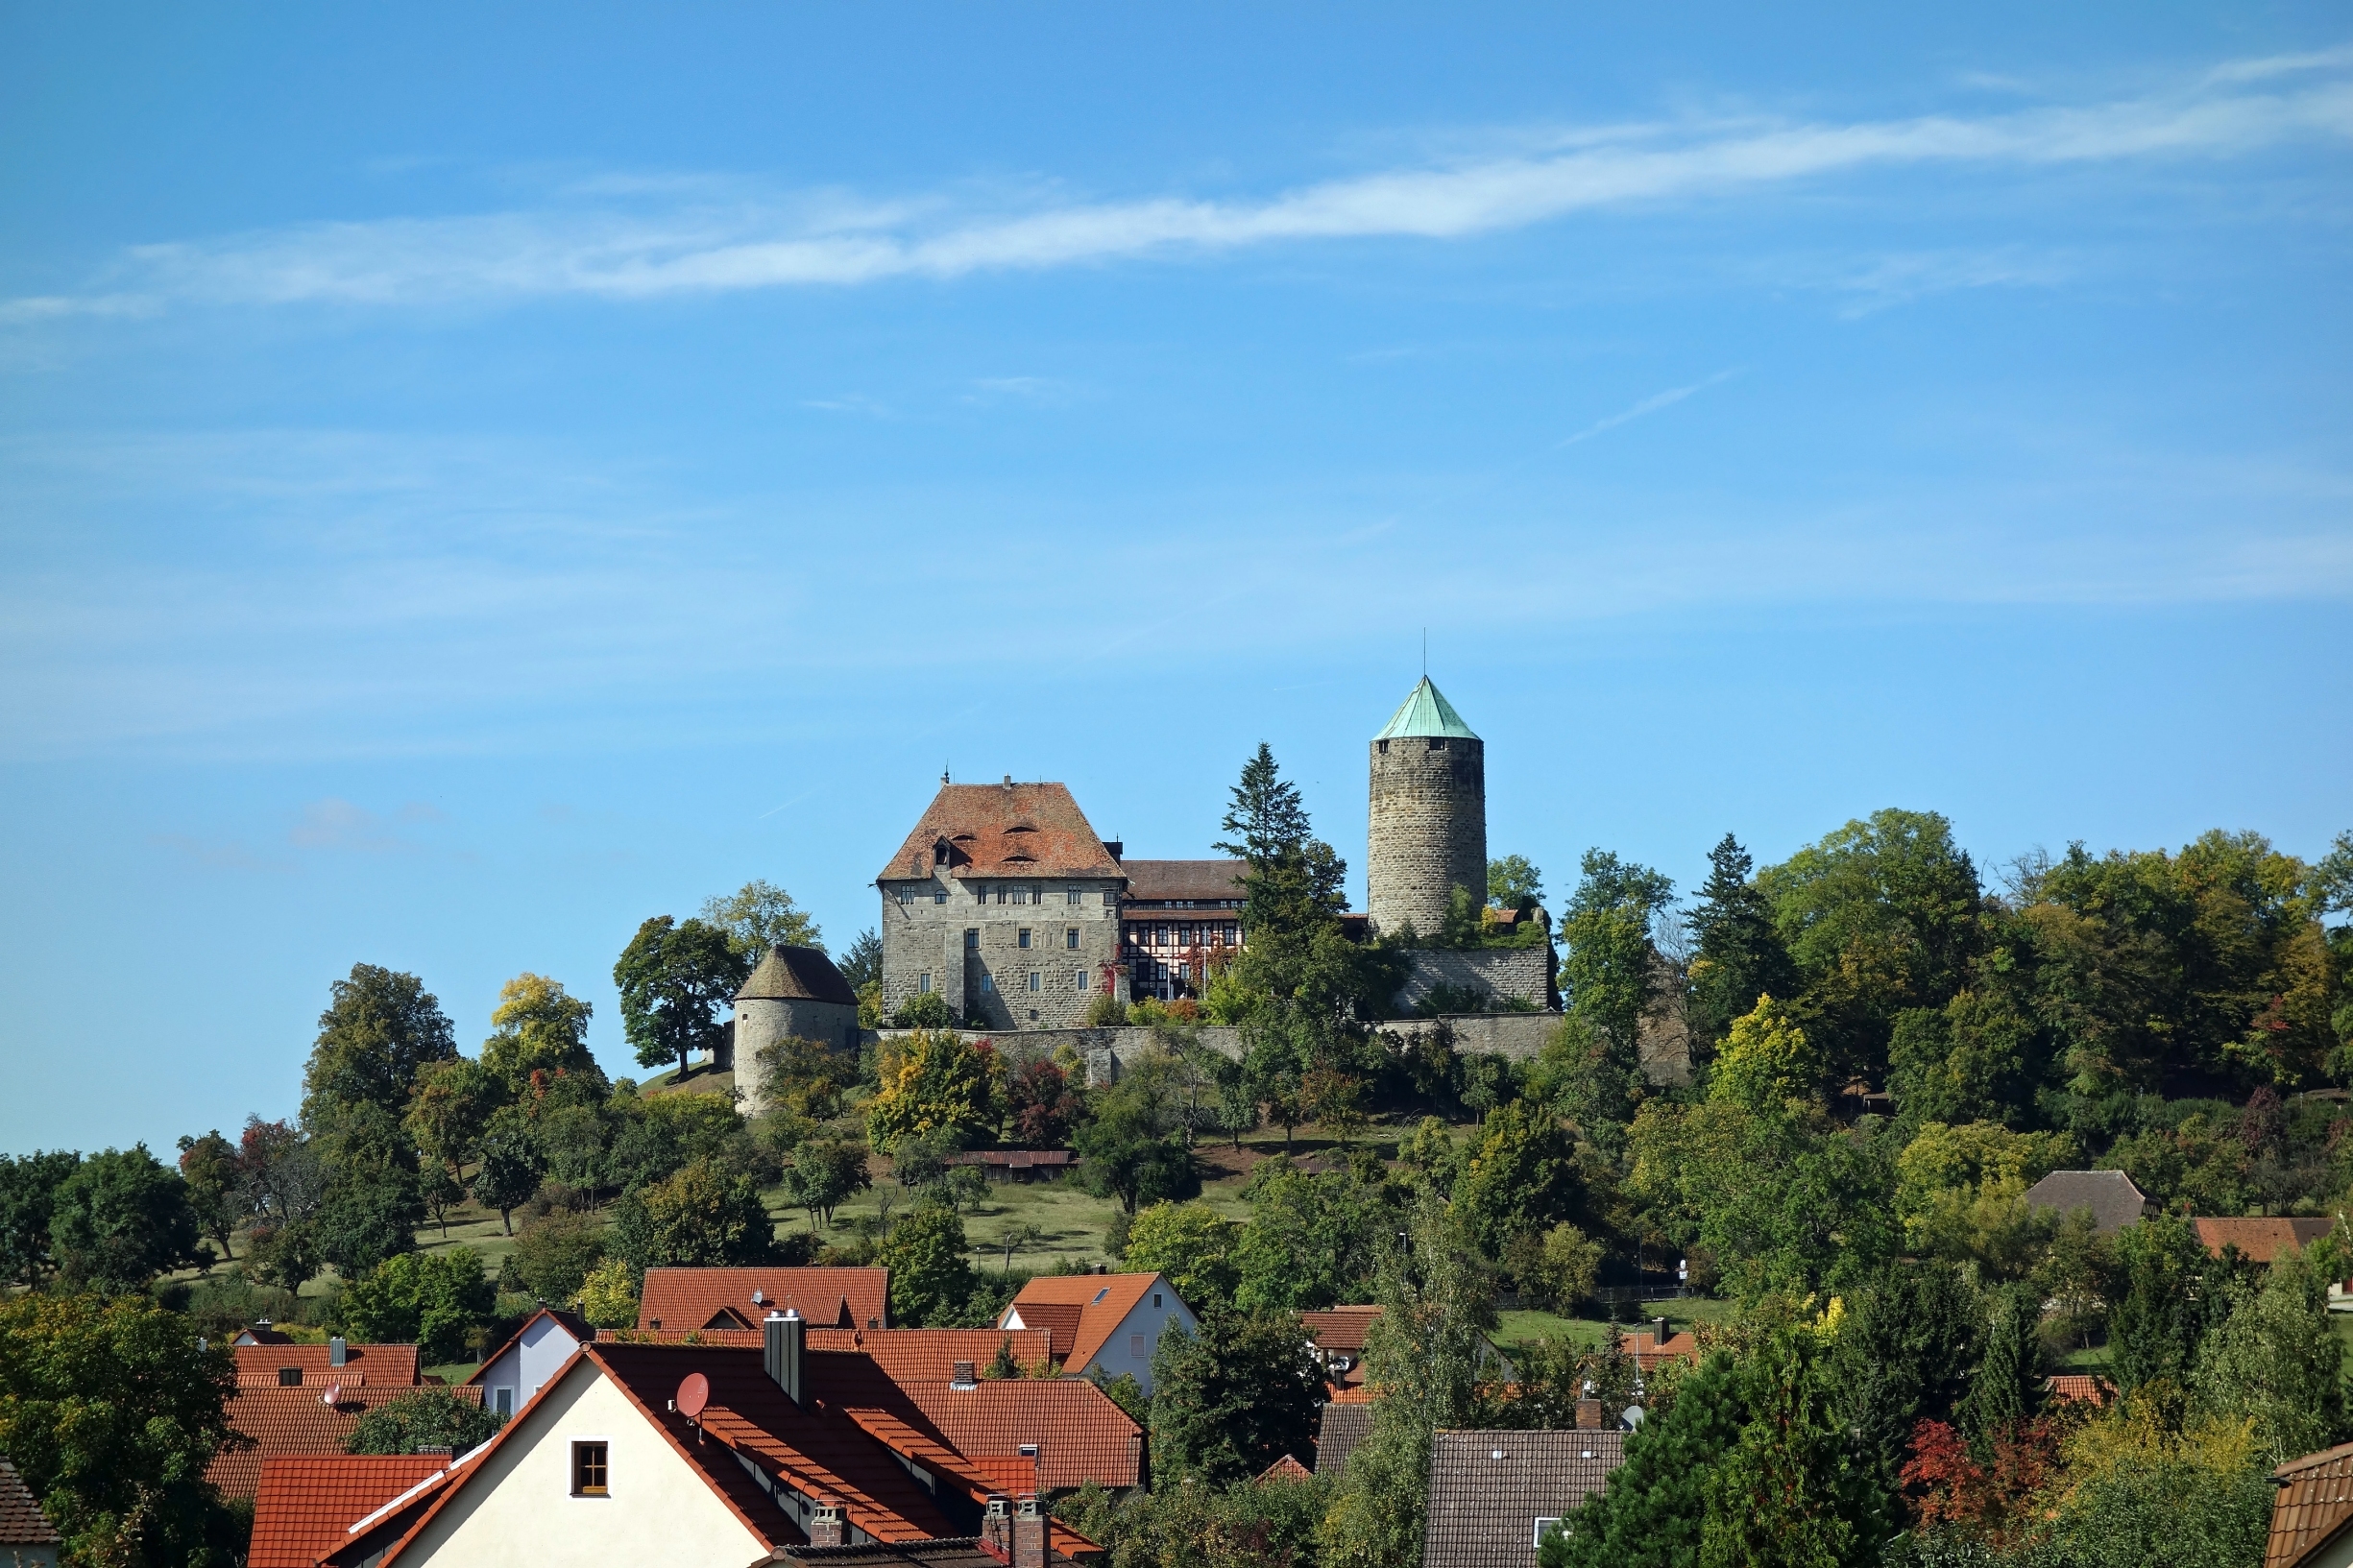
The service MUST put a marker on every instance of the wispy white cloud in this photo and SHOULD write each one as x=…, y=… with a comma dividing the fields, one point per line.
x=688, y=234
x=1648, y=405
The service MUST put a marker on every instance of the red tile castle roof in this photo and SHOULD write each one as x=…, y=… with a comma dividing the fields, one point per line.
x=307, y=1505
x=1008, y=830
x=700, y=1298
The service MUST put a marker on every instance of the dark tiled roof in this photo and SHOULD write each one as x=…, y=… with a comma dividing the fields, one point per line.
x=21, y=1520
x=1343, y=1428
x=1156, y=880
x=797, y=974
x=307, y=1505
x=2261, y=1240
x=2114, y=1200
x=2313, y=1507
x=285, y=1422
x=693, y=1298
x=1011, y=829
x=367, y=1366
x=1489, y=1488
x=1081, y=1434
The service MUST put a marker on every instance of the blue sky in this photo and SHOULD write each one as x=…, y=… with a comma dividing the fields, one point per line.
x=471, y=479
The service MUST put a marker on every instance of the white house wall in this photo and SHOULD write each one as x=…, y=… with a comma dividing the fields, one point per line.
x=520, y=1513
x=1119, y=1352
x=524, y=1367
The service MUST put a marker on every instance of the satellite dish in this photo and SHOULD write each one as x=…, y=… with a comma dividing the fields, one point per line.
x=694, y=1393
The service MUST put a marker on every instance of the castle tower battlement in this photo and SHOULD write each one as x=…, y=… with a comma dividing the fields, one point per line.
x=1428, y=832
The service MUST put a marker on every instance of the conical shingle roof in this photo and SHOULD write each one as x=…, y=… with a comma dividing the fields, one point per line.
x=1426, y=712
x=796, y=975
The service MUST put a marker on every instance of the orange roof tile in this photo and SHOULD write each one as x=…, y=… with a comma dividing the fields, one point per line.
x=1286, y=1469
x=2260, y=1240
x=308, y=1503
x=909, y=1356
x=1341, y=1329
x=1081, y=1434
x=2313, y=1507
x=22, y=1523
x=693, y=1298
x=1008, y=830
x=1648, y=1353
x=1103, y=1301
x=2080, y=1387
x=285, y=1422
x=368, y=1366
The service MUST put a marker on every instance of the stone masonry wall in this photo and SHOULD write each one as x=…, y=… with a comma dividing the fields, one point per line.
x=1429, y=829
x=762, y=1020
x=1505, y=974
x=986, y=978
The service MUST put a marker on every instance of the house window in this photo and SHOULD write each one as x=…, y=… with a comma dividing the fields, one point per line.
x=1155, y=1299
x=1034, y=978
x=1542, y=1526
x=588, y=1470
x=289, y=1377
x=923, y=981
x=504, y=1402
x=1135, y=1346
x=1075, y=895
x=1070, y=938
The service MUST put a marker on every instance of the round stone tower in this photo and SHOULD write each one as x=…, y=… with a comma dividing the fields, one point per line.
x=1429, y=814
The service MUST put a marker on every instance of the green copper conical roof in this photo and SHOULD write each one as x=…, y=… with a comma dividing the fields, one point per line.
x=1426, y=712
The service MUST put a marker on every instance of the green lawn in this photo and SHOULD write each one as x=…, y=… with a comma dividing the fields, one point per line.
x=1521, y=1328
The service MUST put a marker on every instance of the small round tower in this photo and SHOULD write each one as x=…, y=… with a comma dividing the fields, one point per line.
x=794, y=991
x=1429, y=814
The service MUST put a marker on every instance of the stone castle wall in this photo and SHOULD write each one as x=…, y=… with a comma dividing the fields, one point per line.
x=1505, y=974
x=1429, y=829
x=966, y=939
x=762, y=1020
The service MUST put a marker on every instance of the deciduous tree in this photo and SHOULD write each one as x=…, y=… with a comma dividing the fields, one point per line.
x=428, y=1418
x=761, y=915
x=674, y=978
x=1232, y=1398
x=120, y=1219
x=1191, y=1243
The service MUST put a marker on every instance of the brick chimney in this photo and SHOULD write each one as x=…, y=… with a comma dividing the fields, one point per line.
x=1588, y=1415
x=825, y=1521
x=961, y=1376
x=781, y=1350
x=997, y=1529
x=1029, y=1533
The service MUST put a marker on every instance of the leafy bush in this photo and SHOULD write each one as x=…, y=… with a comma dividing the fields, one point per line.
x=428, y=1418
x=433, y=1300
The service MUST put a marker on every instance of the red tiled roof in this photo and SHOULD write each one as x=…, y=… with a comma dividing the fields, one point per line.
x=1341, y=1329
x=1286, y=1469
x=2314, y=1505
x=308, y=1503
x=21, y=1520
x=693, y=1298
x=909, y=1356
x=2079, y=1388
x=285, y=1422
x=1010, y=829
x=2260, y=1240
x=1103, y=1302
x=366, y=1367
x=1081, y=1434
x=1648, y=1353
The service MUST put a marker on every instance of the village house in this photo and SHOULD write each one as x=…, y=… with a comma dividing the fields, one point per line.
x=694, y=1454
x=1495, y=1494
x=2111, y=1197
x=1107, y=1323
x=2312, y=1514
x=27, y=1537
x=739, y=1298
x=306, y=1399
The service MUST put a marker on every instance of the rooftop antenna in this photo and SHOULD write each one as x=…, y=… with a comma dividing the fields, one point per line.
x=1426, y=653
x=943, y=773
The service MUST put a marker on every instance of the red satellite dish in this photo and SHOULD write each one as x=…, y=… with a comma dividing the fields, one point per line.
x=693, y=1394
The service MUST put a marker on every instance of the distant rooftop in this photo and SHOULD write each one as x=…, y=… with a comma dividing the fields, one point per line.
x=1426, y=712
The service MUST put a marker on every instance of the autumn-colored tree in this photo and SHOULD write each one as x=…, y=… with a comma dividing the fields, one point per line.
x=937, y=1086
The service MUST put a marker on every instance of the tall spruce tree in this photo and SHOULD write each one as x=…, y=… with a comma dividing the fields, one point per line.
x=1738, y=955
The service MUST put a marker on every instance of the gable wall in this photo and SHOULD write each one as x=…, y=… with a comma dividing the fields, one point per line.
x=521, y=1511
x=1116, y=1356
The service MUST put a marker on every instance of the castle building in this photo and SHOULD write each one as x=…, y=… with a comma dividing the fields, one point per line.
x=1178, y=918
x=1429, y=827
x=793, y=991
x=1004, y=901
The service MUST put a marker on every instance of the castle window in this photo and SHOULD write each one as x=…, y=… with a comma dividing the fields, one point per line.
x=1034, y=978
x=940, y=895
x=1000, y=895
x=1070, y=938
x=1025, y=937
x=1021, y=895
x=907, y=895
x=1384, y=745
x=923, y=982
x=972, y=939
x=1075, y=894
x=1437, y=742
x=989, y=985
x=1077, y=978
